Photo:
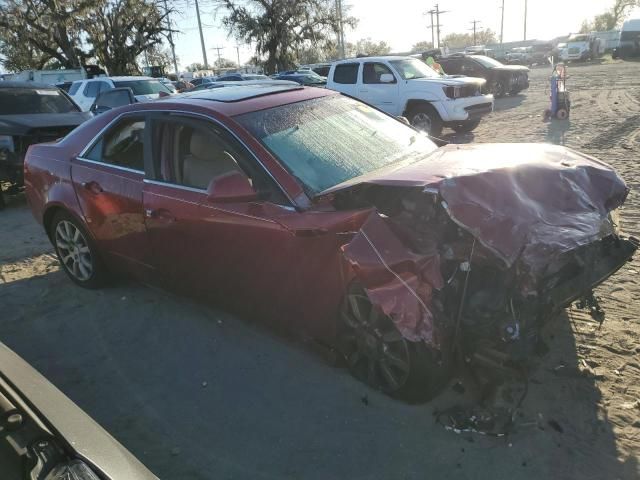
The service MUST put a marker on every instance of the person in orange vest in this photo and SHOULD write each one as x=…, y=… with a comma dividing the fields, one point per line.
x=435, y=65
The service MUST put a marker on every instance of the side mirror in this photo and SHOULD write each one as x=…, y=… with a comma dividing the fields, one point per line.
x=115, y=97
x=403, y=119
x=231, y=187
x=387, y=78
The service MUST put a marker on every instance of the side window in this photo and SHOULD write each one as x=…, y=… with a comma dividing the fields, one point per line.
x=372, y=72
x=191, y=153
x=102, y=86
x=346, y=73
x=91, y=89
x=122, y=145
x=74, y=88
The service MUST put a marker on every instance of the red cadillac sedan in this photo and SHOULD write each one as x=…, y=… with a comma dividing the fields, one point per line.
x=318, y=213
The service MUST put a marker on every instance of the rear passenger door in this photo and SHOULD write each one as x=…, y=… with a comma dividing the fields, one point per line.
x=345, y=78
x=379, y=87
x=108, y=180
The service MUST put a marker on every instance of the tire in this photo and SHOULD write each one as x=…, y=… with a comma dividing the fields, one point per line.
x=377, y=354
x=424, y=117
x=499, y=89
x=466, y=126
x=76, y=251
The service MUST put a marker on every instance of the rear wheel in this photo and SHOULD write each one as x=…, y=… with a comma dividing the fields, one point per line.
x=76, y=252
x=378, y=355
x=466, y=126
x=424, y=117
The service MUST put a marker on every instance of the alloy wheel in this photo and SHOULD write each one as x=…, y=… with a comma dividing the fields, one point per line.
x=74, y=250
x=375, y=350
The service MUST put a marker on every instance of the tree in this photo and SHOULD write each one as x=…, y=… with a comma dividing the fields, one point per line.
x=194, y=67
x=280, y=28
x=68, y=33
x=40, y=30
x=459, y=40
x=225, y=63
x=421, y=47
x=157, y=55
x=610, y=19
x=120, y=30
x=366, y=46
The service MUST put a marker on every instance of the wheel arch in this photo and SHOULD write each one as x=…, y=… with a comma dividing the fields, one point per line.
x=50, y=213
x=414, y=103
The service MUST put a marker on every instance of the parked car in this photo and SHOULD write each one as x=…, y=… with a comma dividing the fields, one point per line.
x=31, y=113
x=407, y=86
x=501, y=79
x=629, y=44
x=182, y=86
x=46, y=436
x=84, y=92
x=540, y=53
x=317, y=213
x=321, y=69
x=200, y=80
x=64, y=86
x=519, y=56
x=308, y=79
x=580, y=47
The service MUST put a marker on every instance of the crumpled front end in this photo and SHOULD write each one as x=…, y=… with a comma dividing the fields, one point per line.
x=482, y=258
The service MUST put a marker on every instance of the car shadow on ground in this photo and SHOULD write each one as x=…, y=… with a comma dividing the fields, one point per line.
x=197, y=393
x=508, y=102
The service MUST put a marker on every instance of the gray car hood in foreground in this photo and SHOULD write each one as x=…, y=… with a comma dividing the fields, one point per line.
x=89, y=440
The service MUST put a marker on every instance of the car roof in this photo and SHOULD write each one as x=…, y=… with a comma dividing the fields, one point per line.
x=236, y=99
x=34, y=85
x=374, y=59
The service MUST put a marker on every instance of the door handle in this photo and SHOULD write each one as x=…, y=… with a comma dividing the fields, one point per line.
x=93, y=187
x=362, y=90
x=162, y=214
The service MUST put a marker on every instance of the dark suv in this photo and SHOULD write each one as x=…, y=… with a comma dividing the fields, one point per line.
x=501, y=79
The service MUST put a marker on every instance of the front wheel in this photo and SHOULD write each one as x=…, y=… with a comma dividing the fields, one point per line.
x=499, y=89
x=76, y=252
x=427, y=119
x=466, y=126
x=378, y=355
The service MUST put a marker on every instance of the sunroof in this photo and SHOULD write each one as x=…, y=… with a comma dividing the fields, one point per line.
x=236, y=93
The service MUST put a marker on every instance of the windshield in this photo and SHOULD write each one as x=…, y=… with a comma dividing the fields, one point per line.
x=579, y=38
x=486, y=62
x=21, y=101
x=326, y=141
x=410, y=68
x=143, y=87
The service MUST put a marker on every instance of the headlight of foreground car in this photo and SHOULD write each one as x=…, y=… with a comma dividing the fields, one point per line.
x=451, y=92
x=74, y=470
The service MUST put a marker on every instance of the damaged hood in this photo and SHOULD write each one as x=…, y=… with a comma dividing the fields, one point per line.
x=527, y=201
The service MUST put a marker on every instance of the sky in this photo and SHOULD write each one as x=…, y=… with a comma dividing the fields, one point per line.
x=400, y=23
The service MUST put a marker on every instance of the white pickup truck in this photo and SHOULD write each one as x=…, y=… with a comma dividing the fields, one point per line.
x=408, y=87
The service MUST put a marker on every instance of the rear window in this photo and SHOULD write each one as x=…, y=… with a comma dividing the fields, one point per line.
x=346, y=73
x=74, y=88
x=143, y=87
x=21, y=101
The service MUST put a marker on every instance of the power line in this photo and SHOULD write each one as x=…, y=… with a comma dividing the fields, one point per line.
x=438, y=12
x=525, y=19
x=433, y=32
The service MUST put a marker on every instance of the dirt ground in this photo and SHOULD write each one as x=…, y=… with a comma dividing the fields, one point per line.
x=196, y=393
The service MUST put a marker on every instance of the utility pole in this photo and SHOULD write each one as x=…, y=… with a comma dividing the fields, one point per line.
x=475, y=22
x=218, y=49
x=438, y=12
x=433, y=32
x=340, y=29
x=173, y=46
x=525, y=19
x=204, y=51
x=238, y=54
x=502, y=23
